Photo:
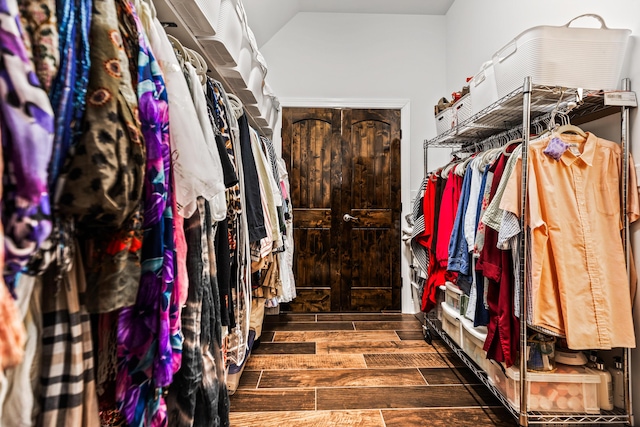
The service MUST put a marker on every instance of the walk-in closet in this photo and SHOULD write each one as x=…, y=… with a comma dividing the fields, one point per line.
x=291, y=213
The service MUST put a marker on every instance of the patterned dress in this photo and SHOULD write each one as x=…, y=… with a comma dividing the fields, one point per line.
x=146, y=347
x=27, y=126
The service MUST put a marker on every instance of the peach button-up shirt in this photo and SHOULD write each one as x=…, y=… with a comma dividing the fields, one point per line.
x=579, y=283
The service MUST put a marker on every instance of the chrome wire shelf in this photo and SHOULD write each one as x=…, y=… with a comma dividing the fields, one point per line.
x=617, y=416
x=506, y=114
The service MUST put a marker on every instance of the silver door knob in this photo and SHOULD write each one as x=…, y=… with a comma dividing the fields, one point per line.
x=348, y=218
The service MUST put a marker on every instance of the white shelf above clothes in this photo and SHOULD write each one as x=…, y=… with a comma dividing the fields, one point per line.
x=217, y=29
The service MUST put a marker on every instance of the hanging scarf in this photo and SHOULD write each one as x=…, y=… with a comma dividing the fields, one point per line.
x=27, y=121
x=69, y=89
x=146, y=347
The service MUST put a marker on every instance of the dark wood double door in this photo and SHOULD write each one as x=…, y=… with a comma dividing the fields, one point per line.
x=344, y=170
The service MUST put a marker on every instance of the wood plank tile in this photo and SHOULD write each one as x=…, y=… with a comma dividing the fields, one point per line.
x=449, y=376
x=307, y=419
x=249, y=380
x=267, y=336
x=367, y=347
x=286, y=348
x=415, y=360
x=410, y=335
x=366, y=317
x=341, y=378
x=441, y=346
x=335, y=336
x=315, y=326
x=453, y=360
x=445, y=417
x=261, y=362
x=274, y=400
x=289, y=317
x=403, y=397
x=388, y=326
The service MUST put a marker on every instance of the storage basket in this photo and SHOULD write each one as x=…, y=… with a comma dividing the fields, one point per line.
x=452, y=296
x=451, y=323
x=483, y=88
x=462, y=108
x=569, y=389
x=589, y=58
x=445, y=120
x=224, y=47
x=473, y=342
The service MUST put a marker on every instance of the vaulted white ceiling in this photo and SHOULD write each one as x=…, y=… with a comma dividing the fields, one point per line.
x=266, y=17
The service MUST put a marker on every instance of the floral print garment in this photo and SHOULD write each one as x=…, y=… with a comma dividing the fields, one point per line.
x=27, y=123
x=146, y=347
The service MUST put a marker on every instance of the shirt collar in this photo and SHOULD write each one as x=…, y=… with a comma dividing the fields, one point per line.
x=588, y=151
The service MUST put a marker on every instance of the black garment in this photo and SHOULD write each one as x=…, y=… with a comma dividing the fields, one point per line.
x=223, y=261
x=228, y=171
x=253, y=211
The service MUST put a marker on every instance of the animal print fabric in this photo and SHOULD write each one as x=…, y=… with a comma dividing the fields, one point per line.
x=41, y=28
x=102, y=181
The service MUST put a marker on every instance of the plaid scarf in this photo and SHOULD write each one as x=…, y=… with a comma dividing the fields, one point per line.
x=68, y=391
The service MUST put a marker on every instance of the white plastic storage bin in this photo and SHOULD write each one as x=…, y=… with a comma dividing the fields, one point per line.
x=483, y=88
x=569, y=389
x=589, y=58
x=462, y=108
x=224, y=47
x=452, y=296
x=451, y=323
x=472, y=343
x=445, y=120
x=201, y=16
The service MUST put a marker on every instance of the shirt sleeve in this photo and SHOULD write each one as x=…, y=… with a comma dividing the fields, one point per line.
x=633, y=204
x=510, y=201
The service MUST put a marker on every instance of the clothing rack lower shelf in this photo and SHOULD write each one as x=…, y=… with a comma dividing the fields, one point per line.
x=534, y=417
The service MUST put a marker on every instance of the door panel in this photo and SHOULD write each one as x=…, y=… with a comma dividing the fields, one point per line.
x=371, y=180
x=311, y=138
x=344, y=162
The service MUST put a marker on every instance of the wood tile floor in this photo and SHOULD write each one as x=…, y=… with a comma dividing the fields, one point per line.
x=369, y=370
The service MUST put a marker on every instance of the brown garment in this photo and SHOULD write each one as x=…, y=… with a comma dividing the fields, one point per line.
x=102, y=181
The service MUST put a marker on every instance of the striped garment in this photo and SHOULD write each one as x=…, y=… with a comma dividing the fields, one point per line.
x=67, y=386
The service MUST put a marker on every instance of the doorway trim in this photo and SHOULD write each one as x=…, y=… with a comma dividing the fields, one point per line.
x=404, y=105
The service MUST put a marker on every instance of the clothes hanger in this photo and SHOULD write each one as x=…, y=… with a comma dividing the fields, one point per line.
x=567, y=127
x=236, y=105
x=196, y=60
x=179, y=49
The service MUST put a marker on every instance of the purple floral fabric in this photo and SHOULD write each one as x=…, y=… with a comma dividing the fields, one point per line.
x=27, y=128
x=149, y=340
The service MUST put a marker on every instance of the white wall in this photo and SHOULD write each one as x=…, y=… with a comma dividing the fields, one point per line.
x=360, y=58
x=472, y=40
